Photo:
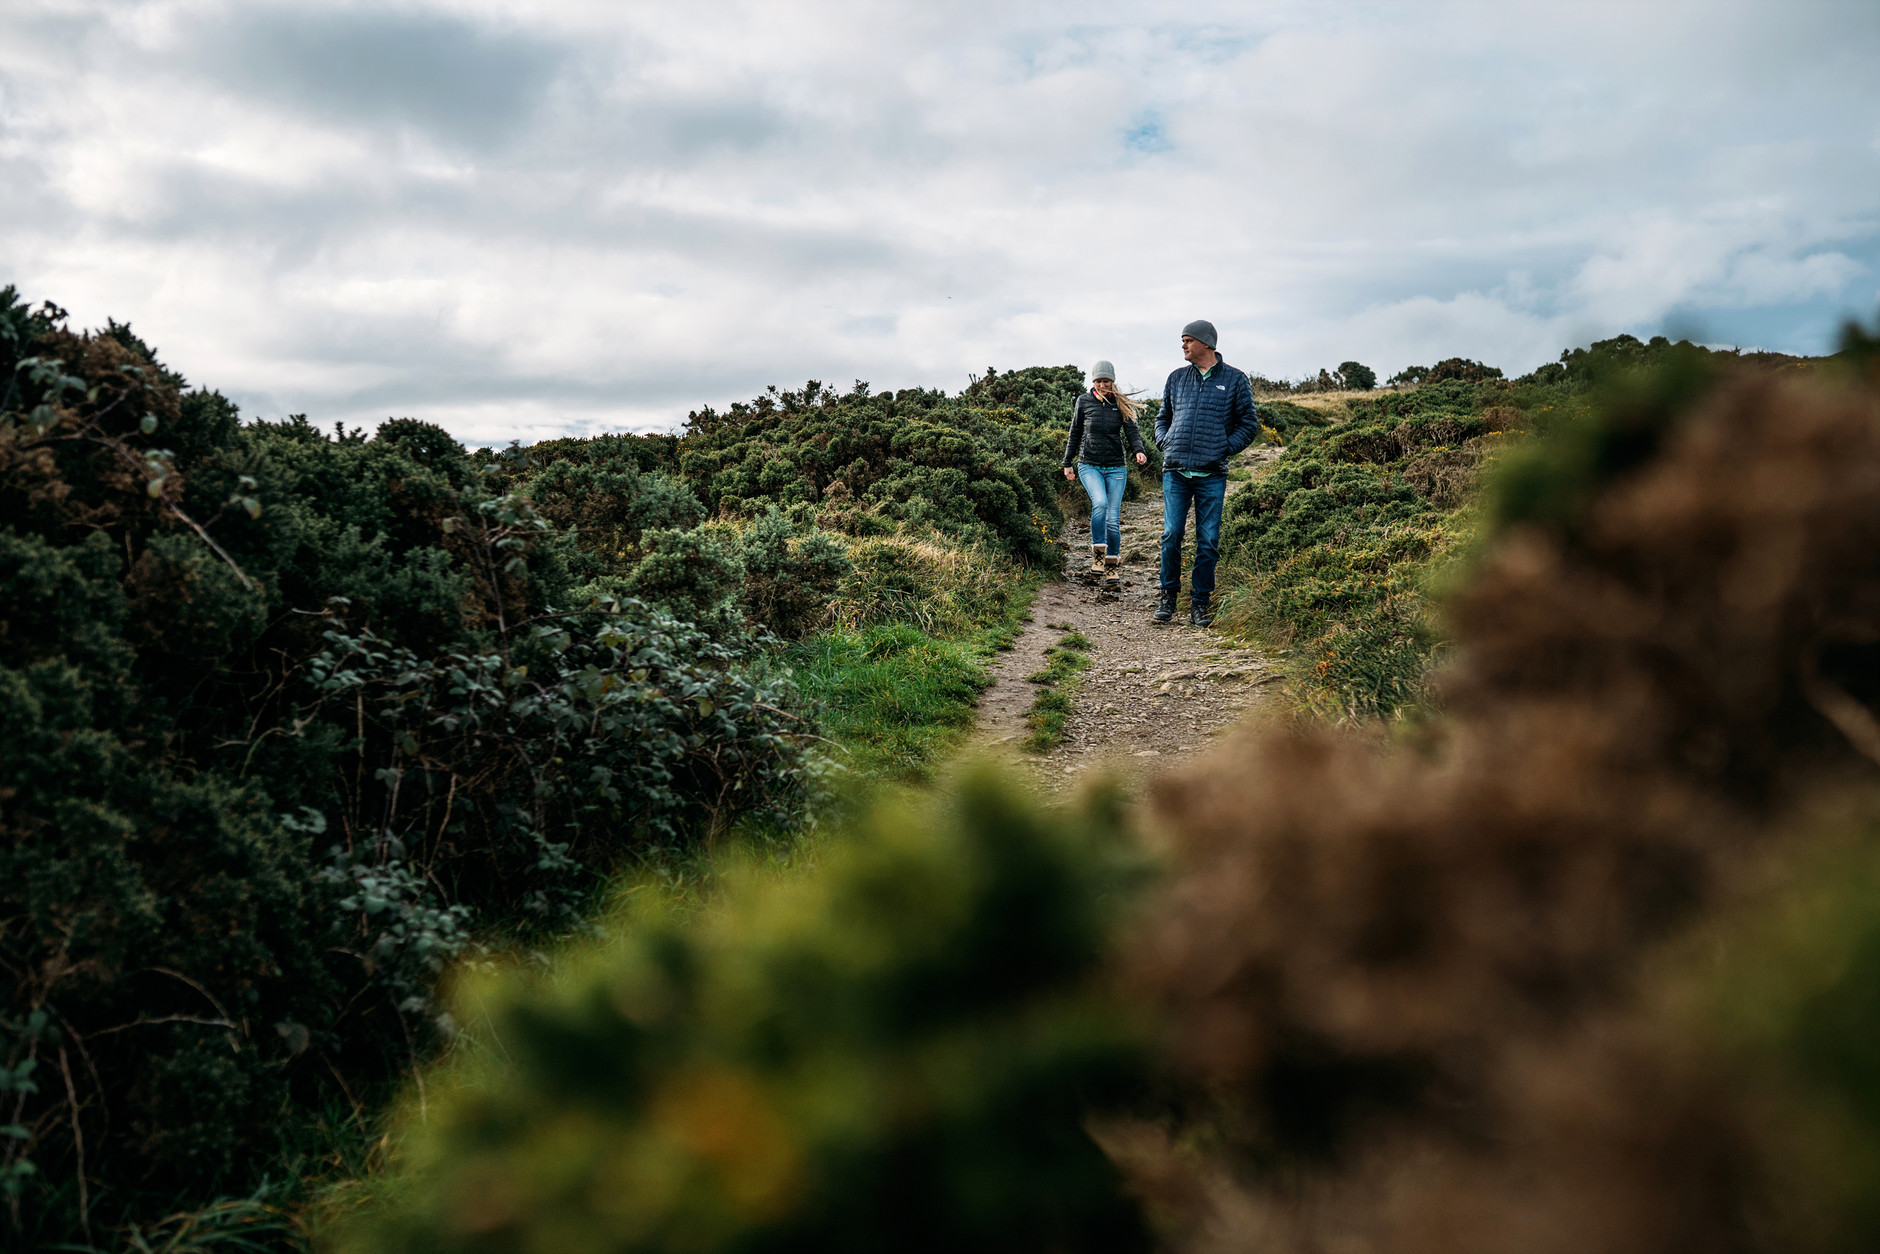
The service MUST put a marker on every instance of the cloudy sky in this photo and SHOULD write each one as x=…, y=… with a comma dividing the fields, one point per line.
x=519, y=220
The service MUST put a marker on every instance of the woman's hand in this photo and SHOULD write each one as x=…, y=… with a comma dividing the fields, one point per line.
x=1142, y=459
x=1069, y=473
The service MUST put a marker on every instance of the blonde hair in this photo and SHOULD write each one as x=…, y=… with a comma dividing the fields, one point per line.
x=1125, y=401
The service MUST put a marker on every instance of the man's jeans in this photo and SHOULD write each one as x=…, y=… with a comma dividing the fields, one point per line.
x=1206, y=495
x=1104, y=485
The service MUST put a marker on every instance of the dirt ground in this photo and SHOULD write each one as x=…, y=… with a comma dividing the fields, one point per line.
x=1155, y=693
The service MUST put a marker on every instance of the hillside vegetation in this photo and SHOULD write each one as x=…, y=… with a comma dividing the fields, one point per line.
x=1332, y=558
x=1588, y=966
x=296, y=719
x=344, y=774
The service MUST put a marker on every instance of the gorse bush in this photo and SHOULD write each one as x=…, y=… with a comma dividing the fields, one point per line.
x=289, y=719
x=1328, y=552
x=895, y=1051
x=864, y=463
x=752, y=516
x=297, y=718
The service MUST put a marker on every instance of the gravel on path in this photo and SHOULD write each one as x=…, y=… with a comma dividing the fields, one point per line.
x=1155, y=695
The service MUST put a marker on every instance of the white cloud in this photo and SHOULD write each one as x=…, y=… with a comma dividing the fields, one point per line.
x=612, y=213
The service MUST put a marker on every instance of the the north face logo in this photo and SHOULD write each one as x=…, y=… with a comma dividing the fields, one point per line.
x=1220, y=387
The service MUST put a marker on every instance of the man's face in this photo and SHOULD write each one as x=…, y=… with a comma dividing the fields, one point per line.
x=1194, y=350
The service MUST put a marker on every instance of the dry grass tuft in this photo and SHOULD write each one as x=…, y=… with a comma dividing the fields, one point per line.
x=940, y=588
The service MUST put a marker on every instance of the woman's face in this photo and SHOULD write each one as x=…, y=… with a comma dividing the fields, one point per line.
x=1104, y=387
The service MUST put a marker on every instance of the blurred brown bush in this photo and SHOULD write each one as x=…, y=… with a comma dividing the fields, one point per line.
x=1438, y=996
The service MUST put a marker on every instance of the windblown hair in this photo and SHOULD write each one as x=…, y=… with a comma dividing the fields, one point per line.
x=1125, y=401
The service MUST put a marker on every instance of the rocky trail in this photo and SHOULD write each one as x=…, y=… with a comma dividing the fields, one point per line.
x=1155, y=693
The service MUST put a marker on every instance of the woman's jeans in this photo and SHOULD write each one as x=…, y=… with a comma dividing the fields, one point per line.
x=1104, y=485
x=1204, y=495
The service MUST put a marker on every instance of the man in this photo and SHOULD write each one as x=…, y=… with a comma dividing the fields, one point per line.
x=1207, y=417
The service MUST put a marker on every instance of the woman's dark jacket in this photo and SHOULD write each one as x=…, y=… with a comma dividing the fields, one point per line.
x=1098, y=430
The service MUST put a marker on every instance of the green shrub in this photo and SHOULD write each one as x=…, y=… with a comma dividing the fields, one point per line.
x=1357, y=376
x=698, y=574
x=610, y=508
x=226, y=649
x=915, y=462
x=895, y=1051
x=1327, y=554
x=791, y=580
x=1288, y=416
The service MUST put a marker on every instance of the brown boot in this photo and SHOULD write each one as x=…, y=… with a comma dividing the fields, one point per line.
x=1096, y=559
x=1112, y=573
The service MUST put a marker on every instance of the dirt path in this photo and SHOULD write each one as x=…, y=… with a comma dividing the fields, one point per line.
x=1154, y=693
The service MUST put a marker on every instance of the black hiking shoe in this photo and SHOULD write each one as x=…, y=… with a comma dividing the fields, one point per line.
x=1199, y=614
x=1165, y=608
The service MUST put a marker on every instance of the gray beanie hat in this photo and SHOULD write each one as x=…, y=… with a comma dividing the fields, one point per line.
x=1103, y=370
x=1203, y=330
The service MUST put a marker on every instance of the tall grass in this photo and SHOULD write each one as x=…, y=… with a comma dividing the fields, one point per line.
x=897, y=700
x=940, y=588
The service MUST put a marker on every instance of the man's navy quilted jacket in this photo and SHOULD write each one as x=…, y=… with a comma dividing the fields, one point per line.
x=1205, y=421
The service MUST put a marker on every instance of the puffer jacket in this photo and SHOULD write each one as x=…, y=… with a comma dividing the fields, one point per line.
x=1098, y=433
x=1205, y=421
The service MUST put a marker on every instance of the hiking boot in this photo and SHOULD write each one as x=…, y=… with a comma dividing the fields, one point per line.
x=1199, y=615
x=1112, y=573
x=1096, y=559
x=1165, y=608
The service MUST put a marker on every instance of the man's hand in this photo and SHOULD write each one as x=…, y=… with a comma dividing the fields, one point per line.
x=1071, y=474
x=1142, y=459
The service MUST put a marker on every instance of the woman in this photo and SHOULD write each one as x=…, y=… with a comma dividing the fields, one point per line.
x=1102, y=423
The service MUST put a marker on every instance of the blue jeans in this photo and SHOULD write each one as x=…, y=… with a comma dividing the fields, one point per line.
x=1206, y=495
x=1104, y=486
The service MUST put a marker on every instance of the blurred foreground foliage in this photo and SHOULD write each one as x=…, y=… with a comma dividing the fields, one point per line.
x=1589, y=962
x=894, y=1050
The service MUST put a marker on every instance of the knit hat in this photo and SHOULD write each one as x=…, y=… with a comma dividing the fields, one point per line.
x=1103, y=370
x=1202, y=330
